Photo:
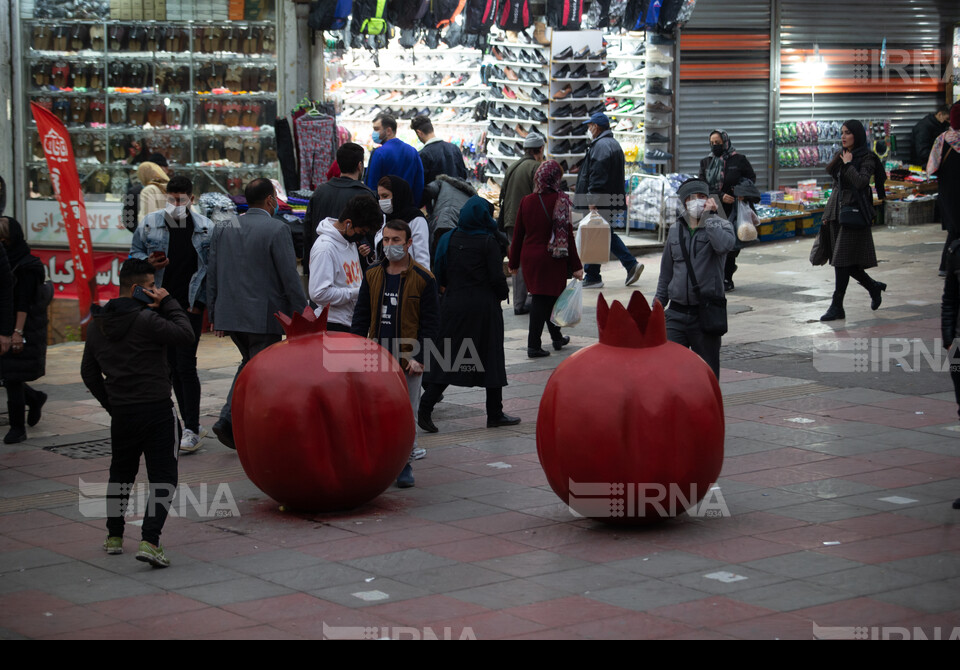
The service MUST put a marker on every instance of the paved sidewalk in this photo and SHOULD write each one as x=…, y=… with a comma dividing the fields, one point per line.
x=839, y=485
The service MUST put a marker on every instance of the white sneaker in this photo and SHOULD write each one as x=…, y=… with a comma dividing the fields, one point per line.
x=658, y=72
x=190, y=441
x=417, y=454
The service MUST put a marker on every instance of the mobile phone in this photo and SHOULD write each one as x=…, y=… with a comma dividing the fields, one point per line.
x=159, y=255
x=141, y=295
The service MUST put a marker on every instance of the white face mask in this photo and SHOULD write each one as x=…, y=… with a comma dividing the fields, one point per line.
x=386, y=206
x=695, y=207
x=176, y=211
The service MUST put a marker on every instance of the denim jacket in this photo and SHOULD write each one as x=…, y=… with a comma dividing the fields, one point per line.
x=153, y=235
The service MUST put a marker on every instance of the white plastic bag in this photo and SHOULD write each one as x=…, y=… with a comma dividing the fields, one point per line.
x=747, y=222
x=568, y=309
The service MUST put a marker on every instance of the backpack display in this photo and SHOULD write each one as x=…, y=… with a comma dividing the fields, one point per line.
x=443, y=12
x=369, y=17
x=329, y=14
x=408, y=14
x=634, y=18
x=514, y=15
x=673, y=14
x=653, y=13
x=479, y=17
x=564, y=14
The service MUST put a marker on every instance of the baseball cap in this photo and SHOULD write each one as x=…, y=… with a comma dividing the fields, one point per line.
x=600, y=119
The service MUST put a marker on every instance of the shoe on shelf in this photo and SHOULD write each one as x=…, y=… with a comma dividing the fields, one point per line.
x=657, y=138
x=562, y=73
x=658, y=155
x=425, y=421
x=520, y=132
x=224, y=431
x=538, y=116
x=592, y=283
x=14, y=436
x=152, y=554
x=561, y=343
x=113, y=545
x=405, y=480
x=563, y=92
x=658, y=72
x=582, y=54
x=34, y=413
x=502, y=420
x=565, y=54
x=538, y=96
x=634, y=274
x=659, y=108
x=537, y=353
x=190, y=441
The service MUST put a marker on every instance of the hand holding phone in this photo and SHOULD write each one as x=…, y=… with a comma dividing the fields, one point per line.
x=158, y=260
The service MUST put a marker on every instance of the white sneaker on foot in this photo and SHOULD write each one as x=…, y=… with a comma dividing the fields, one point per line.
x=417, y=454
x=190, y=441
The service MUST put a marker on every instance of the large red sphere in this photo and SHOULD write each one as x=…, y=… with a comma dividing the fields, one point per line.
x=322, y=421
x=631, y=429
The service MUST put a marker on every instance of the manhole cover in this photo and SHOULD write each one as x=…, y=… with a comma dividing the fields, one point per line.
x=739, y=354
x=83, y=450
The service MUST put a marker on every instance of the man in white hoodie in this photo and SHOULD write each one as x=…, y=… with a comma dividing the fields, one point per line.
x=335, y=272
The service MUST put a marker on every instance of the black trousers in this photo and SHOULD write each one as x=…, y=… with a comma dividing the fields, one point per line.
x=540, y=310
x=844, y=274
x=184, y=377
x=19, y=395
x=431, y=395
x=337, y=327
x=951, y=237
x=150, y=429
x=684, y=329
x=249, y=345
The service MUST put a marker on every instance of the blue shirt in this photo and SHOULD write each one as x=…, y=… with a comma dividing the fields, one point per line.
x=398, y=158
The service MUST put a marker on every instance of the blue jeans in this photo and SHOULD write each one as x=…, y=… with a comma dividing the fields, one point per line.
x=619, y=249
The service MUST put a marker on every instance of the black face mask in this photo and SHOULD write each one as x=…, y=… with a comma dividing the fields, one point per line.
x=355, y=238
x=717, y=149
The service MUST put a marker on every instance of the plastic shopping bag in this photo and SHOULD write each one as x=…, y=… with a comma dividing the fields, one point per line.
x=747, y=222
x=569, y=307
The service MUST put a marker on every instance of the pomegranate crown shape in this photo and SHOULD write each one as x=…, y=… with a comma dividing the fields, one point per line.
x=635, y=327
x=303, y=324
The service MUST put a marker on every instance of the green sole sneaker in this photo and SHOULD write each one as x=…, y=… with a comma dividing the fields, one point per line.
x=113, y=545
x=152, y=555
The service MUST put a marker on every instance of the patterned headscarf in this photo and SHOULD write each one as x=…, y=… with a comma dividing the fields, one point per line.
x=951, y=137
x=718, y=167
x=547, y=180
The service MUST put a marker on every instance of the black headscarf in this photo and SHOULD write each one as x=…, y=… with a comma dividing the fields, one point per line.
x=861, y=151
x=403, y=206
x=17, y=248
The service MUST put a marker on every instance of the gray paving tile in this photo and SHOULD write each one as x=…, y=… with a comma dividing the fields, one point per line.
x=399, y=562
x=448, y=578
x=81, y=583
x=850, y=446
x=456, y=510
x=521, y=500
x=759, y=384
x=867, y=580
x=831, y=488
x=733, y=583
x=318, y=577
x=939, y=513
x=741, y=446
x=189, y=573
x=532, y=563
x=269, y=562
x=937, y=566
x=362, y=594
x=509, y=446
x=933, y=597
x=860, y=396
x=873, y=500
x=803, y=564
x=825, y=511
x=26, y=559
x=512, y=593
x=779, y=435
x=587, y=579
x=33, y=487
x=647, y=595
x=907, y=438
x=794, y=595
x=851, y=429
x=234, y=591
x=765, y=499
x=666, y=564
x=480, y=486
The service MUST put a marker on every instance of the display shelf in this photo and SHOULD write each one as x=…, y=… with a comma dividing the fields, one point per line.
x=418, y=103
x=517, y=45
x=511, y=64
x=415, y=87
x=507, y=82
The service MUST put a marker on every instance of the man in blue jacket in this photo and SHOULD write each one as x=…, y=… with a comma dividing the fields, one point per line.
x=394, y=157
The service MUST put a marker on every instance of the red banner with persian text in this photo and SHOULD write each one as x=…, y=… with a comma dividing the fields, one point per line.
x=59, y=264
x=66, y=186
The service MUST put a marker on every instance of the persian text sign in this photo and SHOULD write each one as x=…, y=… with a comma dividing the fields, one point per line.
x=59, y=264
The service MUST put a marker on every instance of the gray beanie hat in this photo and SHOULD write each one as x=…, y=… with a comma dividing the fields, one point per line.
x=533, y=141
x=691, y=187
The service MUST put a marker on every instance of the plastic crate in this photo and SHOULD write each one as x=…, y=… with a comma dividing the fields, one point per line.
x=908, y=213
x=777, y=230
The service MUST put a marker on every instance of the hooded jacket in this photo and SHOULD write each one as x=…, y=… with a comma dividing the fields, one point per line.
x=445, y=197
x=335, y=273
x=328, y=201
x=125, y=357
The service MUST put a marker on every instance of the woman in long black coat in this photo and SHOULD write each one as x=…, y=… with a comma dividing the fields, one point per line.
x=945, y=164
x=27, y=358
x=469, y=267
x=851, y=249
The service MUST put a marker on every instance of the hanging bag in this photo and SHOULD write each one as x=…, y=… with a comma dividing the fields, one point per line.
x=564, y=14
x=514, y=15
x=568, y=310
x=747, y=222
x=712, y=310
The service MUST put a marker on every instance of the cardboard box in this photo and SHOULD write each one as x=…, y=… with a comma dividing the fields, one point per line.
x=125, y=10
x=777, y=230
x=235, y=10
x=160, y=10
x=137, y=10
x=593, y=242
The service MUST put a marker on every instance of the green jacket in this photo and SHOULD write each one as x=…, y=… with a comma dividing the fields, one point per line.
x=518, y=183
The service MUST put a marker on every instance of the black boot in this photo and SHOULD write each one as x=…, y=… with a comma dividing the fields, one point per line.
x=425, y=418
x=875, y=289
x=836, y=309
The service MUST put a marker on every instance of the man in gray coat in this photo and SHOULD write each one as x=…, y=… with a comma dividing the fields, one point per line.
x=518, y=184
x=251, y=275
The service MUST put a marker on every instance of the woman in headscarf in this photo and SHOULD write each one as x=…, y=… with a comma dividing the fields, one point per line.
x=469, y=266
x=544, y=248
x=723, y=169
x=27, y=357
x=396, y=202
x=851, y=247
x=944, y=162
x=153, y=197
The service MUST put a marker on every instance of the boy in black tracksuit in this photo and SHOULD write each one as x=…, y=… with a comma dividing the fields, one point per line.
x=125, y=367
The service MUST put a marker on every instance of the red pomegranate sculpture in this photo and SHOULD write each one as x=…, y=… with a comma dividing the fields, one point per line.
x=322, y=420
x=630, y=430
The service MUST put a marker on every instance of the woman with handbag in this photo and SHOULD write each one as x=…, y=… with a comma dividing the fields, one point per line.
x=691, y=273
x=27, y=357
x=849, y=215
x=544, y=248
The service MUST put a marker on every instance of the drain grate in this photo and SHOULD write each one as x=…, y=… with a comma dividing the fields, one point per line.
x=82, y=450
x=742, y=354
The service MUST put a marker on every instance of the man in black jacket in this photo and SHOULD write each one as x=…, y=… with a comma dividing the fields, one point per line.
x=601, y=188
x=125, y=368
x=438, y=157
x=926, y=132
x=330, y=198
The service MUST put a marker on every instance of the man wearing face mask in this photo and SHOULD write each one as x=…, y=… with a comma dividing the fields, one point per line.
x=394, y=157
x=176, y=242
x=335, y=272
x=700, y=239
x=252, y=275
x=398, y=305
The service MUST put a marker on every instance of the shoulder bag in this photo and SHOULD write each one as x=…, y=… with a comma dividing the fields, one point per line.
x=712, y=310
x=850, y=216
